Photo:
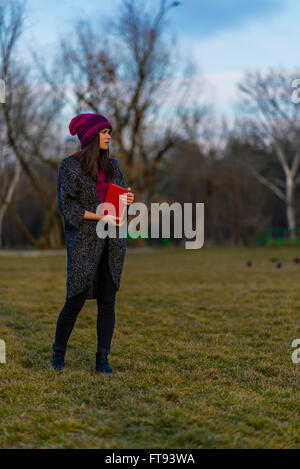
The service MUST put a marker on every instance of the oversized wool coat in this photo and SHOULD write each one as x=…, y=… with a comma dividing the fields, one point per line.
x=77, y=192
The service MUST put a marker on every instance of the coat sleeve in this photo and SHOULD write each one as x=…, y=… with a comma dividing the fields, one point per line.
x=68, y=205
x=122, y=179
x=122, y=182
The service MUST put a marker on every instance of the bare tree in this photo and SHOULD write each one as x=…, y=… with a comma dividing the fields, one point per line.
x=130, y=75
x=271, y=119
x=9, y=33
x=27, y=129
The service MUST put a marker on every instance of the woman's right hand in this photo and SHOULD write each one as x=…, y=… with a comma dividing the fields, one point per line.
x=112, y=220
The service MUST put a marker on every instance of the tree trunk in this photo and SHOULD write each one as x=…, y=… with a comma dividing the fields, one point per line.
x=290, y=212
x=8, y=196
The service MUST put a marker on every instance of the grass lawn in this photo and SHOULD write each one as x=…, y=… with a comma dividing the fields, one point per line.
x=201, y=354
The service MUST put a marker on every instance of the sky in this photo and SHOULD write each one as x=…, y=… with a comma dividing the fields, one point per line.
x=223, y=38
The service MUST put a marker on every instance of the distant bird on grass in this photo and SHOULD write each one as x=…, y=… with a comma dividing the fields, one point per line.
x=297, y=260
x=249, y=263
x=278, y=265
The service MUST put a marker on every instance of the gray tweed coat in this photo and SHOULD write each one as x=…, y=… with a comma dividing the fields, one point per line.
x=77, y=192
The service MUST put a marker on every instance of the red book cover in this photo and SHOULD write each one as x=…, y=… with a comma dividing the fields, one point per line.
x=112, y=197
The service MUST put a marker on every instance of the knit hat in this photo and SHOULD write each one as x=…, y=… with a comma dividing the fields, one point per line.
x=86, y=126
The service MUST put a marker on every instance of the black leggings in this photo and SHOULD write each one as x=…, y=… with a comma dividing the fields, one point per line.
x=106, y=310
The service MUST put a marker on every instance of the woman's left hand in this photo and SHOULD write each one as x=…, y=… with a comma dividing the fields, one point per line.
x=127, y=198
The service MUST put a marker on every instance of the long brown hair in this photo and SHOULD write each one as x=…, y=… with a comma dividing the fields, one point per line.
x=88, y=157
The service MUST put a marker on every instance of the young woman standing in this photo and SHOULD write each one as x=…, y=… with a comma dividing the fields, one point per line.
x=94, y=264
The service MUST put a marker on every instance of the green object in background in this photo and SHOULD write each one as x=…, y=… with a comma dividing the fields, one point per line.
x=164, y=241
x=277, y=236
x=140, y=236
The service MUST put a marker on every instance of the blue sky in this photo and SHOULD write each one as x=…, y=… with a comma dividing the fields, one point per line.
x=224, y=38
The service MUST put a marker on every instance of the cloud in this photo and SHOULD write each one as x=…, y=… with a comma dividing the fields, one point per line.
x=206, y=17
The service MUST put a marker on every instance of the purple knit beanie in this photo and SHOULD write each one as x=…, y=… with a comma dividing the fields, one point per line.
x=86, y=126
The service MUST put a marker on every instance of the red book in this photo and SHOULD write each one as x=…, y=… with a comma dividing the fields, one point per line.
x=112, y=197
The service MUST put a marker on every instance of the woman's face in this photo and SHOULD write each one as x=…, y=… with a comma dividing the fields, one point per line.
x=104, y=137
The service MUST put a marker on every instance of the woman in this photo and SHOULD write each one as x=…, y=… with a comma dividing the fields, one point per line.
x=94, y=264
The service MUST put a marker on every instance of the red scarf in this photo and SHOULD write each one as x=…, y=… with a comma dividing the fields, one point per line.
x=102, y=185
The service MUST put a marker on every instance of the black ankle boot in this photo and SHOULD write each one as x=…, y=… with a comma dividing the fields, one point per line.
x=57, y=360
x=102, y=365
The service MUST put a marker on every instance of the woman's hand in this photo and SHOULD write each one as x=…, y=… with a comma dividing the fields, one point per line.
x=112, y=220
x=127, y=198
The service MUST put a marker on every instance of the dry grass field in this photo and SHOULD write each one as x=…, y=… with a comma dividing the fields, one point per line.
x=201, y=354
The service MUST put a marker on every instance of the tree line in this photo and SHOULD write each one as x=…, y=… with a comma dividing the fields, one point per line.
x=170, y=145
